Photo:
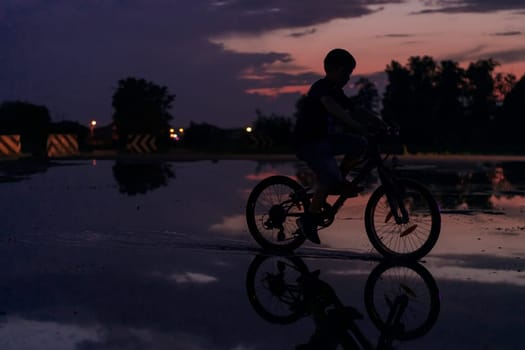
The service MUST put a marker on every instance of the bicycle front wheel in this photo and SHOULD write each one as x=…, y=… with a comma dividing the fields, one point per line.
x=413, y=239
x=272, y=210
x=391, y=279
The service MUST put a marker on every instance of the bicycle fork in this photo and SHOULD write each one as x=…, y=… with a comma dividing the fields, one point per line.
x=393, y=326
x=393, y=194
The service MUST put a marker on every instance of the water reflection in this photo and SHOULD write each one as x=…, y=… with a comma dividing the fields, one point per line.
x=15, y=171
x=138, y=178
x=401, y=299
x=459, y=188
x=470, y=187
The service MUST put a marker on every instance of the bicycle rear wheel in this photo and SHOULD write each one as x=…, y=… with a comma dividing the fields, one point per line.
x=411, y=240
x=273, y=207
x=273, y=289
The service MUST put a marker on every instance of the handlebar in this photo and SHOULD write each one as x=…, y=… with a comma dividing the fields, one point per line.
x=390, y=135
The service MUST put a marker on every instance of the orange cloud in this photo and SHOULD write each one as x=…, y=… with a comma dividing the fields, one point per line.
x=276, y=91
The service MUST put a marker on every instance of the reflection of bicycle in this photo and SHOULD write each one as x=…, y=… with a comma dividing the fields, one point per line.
x=402, y=300
x=402, y=218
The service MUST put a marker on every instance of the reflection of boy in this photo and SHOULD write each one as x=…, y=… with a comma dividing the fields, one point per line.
x=323, y=115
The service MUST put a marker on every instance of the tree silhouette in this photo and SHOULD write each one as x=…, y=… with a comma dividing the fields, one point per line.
x=481, y=83
x=367, y=95
x=450, y=104
x=275, y=130
x=30, y=121
x=504, y=83
x=397, y=96
x=423, y=75
x=512, y=123
x=141, y=107
x=202, y=136
x=410, y=99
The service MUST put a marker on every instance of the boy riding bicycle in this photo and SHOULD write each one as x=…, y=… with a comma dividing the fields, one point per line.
x=324, y=115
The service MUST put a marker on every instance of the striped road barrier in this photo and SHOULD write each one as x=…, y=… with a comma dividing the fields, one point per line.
x=62, y=145
x=10, y=145
x=141, y=143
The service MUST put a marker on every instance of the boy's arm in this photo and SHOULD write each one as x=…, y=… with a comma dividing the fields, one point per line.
x=335, y=109
x=368, y=118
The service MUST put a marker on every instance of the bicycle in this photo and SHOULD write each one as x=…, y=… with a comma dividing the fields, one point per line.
x=401, y=299
x=402, y=218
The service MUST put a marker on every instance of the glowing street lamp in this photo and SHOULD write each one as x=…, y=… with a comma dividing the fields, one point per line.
x=92, y=125
x=173, y=135
x=249, y=129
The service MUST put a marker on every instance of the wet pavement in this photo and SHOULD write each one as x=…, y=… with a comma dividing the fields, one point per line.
x=139, y=255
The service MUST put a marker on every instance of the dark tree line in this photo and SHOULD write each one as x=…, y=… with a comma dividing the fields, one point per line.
x=443, y=107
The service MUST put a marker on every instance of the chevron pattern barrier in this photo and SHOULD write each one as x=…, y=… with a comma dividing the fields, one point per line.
x=62, y=145
x=10, y=145
x=141, y=143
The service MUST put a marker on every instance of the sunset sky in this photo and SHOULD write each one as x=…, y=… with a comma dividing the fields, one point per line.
x=223, y=59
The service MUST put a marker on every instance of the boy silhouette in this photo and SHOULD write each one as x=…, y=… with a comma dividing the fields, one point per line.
x=328, y=124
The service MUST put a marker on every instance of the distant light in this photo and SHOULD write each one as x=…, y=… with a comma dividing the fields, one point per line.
x=174, y=136
x=249, y=129
x=181, y=130
x=172, y=131
x=93, y=122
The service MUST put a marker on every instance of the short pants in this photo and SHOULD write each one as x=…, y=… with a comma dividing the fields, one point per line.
x=320, y=155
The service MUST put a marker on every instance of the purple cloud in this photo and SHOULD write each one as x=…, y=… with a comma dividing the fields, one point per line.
x=509, y=33
x=475, y=6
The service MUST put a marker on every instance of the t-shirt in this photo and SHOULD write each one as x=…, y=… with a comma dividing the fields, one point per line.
x=314, y=122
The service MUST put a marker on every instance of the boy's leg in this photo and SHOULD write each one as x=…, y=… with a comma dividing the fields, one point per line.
x=320, y=159
x=319, y=198
x=328, y=177
x=353, y=147
x=348, y=163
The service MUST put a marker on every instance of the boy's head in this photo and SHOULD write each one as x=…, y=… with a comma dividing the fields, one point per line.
x=339, y=65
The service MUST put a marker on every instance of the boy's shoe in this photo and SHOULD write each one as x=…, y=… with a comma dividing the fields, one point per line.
x=307, y=223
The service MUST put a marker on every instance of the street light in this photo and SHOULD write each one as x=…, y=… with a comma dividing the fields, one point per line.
x=92, y=125
x=249, y=129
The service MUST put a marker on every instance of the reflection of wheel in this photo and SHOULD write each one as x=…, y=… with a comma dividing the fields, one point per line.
x=273, y=291
x=413, y=239
x=390, y=280
x=272, y=211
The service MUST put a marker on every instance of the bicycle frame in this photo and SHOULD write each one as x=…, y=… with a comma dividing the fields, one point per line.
x=373, y=160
